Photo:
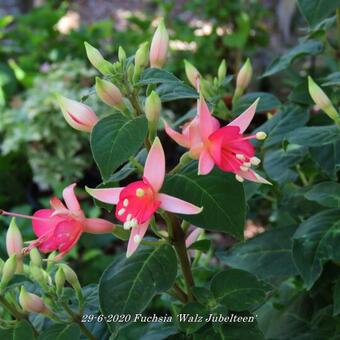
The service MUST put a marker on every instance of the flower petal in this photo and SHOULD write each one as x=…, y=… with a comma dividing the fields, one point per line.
x=107, y=195
x=251, y=175
x=138, y=231
x=245, y=118
x=70, y=198
x=179, y=138
x=97, y=226
x=154, y=169
x=205, y=163
x=176, y=205
x=67, y=233
x=56, y=204
x=208, y=123
x=41, y=227
x=193, y=236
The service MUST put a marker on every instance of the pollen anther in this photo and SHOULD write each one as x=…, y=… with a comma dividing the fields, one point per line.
x=121, y=212
x=125, y=202
x=140, y=192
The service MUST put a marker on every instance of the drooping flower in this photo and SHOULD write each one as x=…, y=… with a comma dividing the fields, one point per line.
x=60, y=227
x=78, y=115
x=137, y=202
x=224, y=147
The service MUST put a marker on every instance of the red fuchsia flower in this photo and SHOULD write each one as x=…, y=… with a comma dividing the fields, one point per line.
x=225, y=147
x=60, y=228
x=138, y=201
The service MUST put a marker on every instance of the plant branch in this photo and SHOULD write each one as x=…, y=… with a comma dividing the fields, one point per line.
x=76, y=318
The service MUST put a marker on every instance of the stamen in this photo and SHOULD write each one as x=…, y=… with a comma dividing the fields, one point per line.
x=125, y=202
x=140, y=192
x=239, y=178
x=261, y=135
x=6, y=213
x=121, y=212
x=240, y=156
x=137, y=238
x=247, y=164
x=128, y=217
x=255, y=161
x=133, y=223
x=127, y=225
x=244, y=168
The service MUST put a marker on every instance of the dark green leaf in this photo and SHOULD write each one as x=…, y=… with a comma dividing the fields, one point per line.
x=114, y=139
x=157, y=76
x=201, y=245
x=268, y=255
x=309, y=47
x=326, y=194
x=237, y=290
x=267, y=102
x=23, y=330
x=332, y=79
x=316, y=241
x=316, y=10
x=315, y=135
x=61, y=332
x=277, y=163
x=241, y=331
x=189, y=317
x=336, y=298
x=175, y=91
x=220, y=195
x=121, y=233
x=128, y=284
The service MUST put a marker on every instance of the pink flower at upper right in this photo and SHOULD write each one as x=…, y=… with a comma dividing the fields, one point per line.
x=226, y=147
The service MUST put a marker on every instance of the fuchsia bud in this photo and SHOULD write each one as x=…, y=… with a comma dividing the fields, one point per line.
x=321, y=100
x=14, y=243
x=97, y=60
x=32, y=303
x=8, y=271
x=77, y=115
x=222, y=71
x=192, y=74
x=244, y=76
x=153, y=107
x=159, y=46
x=109, y=93
x=142, y=55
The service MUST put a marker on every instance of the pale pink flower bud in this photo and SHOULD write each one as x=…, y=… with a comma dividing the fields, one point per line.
x=109, y=93
x=159, y=46
x=153, y=107
x=97, y=60
x=192, y=73
x=77, y=115
x=244, y=76
x=14, y=243
x=321, y=100
x=32, y=303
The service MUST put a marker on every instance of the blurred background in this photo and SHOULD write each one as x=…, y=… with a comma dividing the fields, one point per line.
x=42, y=52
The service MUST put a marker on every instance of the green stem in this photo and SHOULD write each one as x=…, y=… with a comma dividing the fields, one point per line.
x=184, y=160
x=180, y=293
x=177, y=236
x=139, y=167
x=77, y=319
x=301, y=175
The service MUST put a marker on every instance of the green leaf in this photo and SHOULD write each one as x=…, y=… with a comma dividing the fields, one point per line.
x=278, y=127
x=241, y=331
x=114, y=139
x=23, y=330
x=316, y=10
x=309, y=47
x=267, y=255
x=277, y=163
x=157, y=76
x=315, y=135
x=237, y=290
x=267, y=102
x=220, y=195
x=326, y=194
x=336, y=298
x=201, y=245
x=175, y=91
x=315, y=242
x=121, y=233
x=128, y=284
x=61, y=332
x=188, y=317
x=332, y=79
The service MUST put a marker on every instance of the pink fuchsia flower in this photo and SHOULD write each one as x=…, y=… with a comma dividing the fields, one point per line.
x=60, y=227
x=78, y=115
x=226, y=147
x=137, y=202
